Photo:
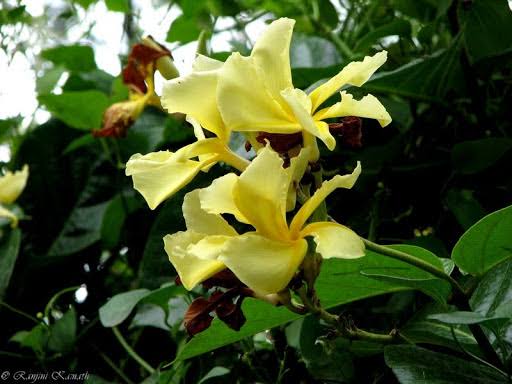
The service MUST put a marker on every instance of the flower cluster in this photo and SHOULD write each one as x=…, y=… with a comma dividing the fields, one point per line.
x=254, y=95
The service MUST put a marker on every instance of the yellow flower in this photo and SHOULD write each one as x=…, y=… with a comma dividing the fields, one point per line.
x=11, y=186
x=255, y=93
x=267, y=258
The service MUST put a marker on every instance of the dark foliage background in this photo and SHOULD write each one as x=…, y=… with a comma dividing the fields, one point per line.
x=443, y=164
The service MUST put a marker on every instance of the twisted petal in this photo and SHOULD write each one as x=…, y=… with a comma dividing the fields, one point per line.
x=271, y=55
x=4, y=212
x=264, y=265
x=355, y=73
x=12, y=184
x=191, y=269
x=368, y=107
x=295, y=171
x=335, y=240
x=260, y=194
x=195, y=95
x=159, y=175
x=300, y=104
x=338, y=181
x=218, y=197
x=244, y=101
x=201, y=221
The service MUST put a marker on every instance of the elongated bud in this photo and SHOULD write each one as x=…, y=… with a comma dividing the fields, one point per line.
x=165, y=63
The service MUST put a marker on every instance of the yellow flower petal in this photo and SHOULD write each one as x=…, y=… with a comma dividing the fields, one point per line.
x=201, y=221
x=4, y=212
x=271, y=55
x=159, y=175
x=338, y=181
x=368, y=107
x=195, y=95
x=335, y=240
x=260, y=194
x=192, y=270
x=12, y=184
x=199, y=134
x=245, y=103
x=264, y=265
x=300, y=104
x=209, y=248
x=204, y=63
x=218, y=197
x=355, y=73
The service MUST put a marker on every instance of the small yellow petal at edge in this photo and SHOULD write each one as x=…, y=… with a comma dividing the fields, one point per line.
x=338, y=181
x=12, y=184
x=335, y=240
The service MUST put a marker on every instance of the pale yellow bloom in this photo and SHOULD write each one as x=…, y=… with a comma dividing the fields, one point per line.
x=11, y=186
x=256, y=93
x=158, y=175
x=266, y=258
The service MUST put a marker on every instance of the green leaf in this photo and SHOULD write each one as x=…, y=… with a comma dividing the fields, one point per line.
x=413, y=365
x=119, y=307
x=80, y=142
x=114, y=217
x=312, y=52
x=81, y=230
x=35, y=339
x=214, y=372
x=183, y=29
x=9, y=248
x=79, y=109
x=485, y=244
x=475, y=156
x=420, y=329
x=429, y=78
x=487, y=28
x=48, y=81
x=398, y=27
x=78, y=58
x=492, y=298
x=340, y=282
x=63, y=332
x=118, y=5
x=459, y=317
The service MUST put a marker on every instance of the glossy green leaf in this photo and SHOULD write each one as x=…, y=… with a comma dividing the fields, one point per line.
x=477, y=155
x=9, y=248
x=340, y=282
x=120, y=306
x=73, y=57
x=430, y=78
x=412, y=365
x=213, y=373
x=114, y=217
x=485, y=244
x=79, y=109
x=312, y=52
x=183, y=29
x=487, y=28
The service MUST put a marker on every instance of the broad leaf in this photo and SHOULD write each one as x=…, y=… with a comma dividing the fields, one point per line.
x=79, y=109
x=63, y=332
x=398, y=27
x=485, y=244
x=119, y=307
x=413, y=365
x=73, y=57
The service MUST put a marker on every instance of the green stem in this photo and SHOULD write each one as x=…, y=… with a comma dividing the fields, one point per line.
x=19, y=312
x=350, y=332
x=413, y=260
x=143, y=363
x=55, y=297
x=112, y=365
x=461, y=299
